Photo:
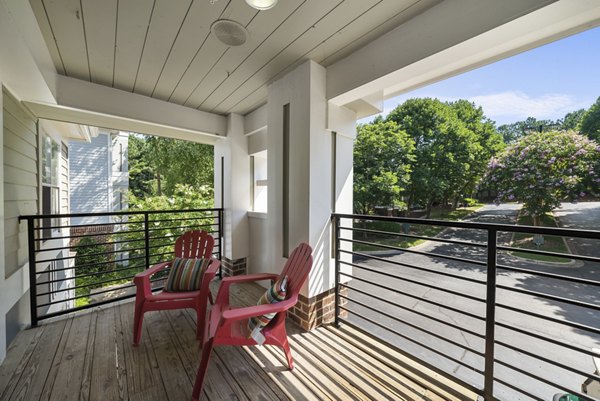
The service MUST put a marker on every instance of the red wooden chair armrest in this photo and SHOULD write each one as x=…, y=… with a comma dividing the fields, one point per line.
x=223, y=293
x=247, y=312
x=142, y=279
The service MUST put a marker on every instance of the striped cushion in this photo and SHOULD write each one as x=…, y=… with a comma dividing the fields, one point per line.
x=273, y=295
x=186, y=274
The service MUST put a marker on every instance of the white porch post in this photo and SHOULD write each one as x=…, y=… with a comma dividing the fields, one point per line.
x=232, y=192
x=303, y=190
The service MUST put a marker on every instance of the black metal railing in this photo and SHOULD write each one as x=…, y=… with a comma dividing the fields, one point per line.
x=485, y=305
x=77, y=261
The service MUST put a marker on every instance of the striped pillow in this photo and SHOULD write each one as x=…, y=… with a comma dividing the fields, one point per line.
x=186, y=274
x=273, y=295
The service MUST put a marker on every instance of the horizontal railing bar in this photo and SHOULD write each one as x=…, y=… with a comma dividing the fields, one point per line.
x=89, y=265
x=205, y=217
x=89, y=235
x=84, y=296
x=393, y=262
x=550, y=275
x=87, y=274
x=548, y=339
x=371, y=295
x=124, y=213
x=90, y=255
x=554, y=254
x=519, y=390
x=428, y=254
x=414, y=282
x=541, y=379
x=416, y=370
x=83, y=307
x=179, y=227
x=128, y=278
x=549, y=296
x=578, y=326
x=63, y=248
x=413, y=341
x=549, y=361
x=414, y=326
x=561, y=232
x=448, y=241
x=140, y=267
x=91, y=225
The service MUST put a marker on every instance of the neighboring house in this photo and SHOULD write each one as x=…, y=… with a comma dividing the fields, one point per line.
x=99, y=176
x=36, y=181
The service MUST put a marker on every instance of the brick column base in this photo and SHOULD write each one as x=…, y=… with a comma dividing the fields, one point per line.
x=316, y=311
x=233, y=267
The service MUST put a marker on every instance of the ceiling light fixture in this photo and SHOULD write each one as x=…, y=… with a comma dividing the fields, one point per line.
x=262, y=4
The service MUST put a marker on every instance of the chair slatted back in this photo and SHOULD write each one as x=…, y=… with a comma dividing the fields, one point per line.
x=195, y=244
x=297, y=268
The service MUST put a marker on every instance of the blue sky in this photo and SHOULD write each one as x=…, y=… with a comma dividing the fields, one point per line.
x=545, y=83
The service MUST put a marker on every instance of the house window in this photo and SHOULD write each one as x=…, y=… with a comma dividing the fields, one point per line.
x=50, y=188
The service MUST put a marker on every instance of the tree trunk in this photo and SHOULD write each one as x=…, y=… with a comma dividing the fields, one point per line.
x=455, y=203
x=428, y=210
x=158, y=184
x=536, y=220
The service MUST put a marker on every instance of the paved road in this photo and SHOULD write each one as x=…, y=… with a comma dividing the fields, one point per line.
x=417, y=289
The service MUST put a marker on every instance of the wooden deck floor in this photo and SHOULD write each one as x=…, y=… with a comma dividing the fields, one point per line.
x=89, y=357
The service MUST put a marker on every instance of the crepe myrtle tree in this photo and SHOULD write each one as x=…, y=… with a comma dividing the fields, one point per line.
x=543, y=169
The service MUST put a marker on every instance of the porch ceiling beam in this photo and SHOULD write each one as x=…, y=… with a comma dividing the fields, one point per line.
x=86, y=117
x=151, y=116
x=26, y=67
x=453, y=37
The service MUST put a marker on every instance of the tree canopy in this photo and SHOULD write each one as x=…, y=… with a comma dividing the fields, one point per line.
x=382, y=158
x=543, y=169
x=453, y=141
x=157, y=165
x=590, y=122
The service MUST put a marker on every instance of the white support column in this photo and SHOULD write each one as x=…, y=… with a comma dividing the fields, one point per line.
x=3, y=301
x=232, y=192
x=313, y=191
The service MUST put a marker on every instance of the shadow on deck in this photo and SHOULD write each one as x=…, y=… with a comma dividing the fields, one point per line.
x=89, y=356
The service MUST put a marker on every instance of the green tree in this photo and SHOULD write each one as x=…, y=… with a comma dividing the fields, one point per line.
x=489, y=139
x=166, y=227
x=158, y=164
x=542, y=169
x=590, y=122
x=382, y=158
x=446, y=150
x=571, y=120
x=515, y=131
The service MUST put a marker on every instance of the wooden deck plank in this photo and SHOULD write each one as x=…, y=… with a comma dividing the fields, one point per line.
x=10, y=371
x=39, y=368
x=69, y=371
x=174, y=376
x=143, y=375
x=84, y=392
x=108, y=378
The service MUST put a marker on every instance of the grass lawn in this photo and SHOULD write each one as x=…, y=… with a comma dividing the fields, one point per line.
x=551, y=243
x=397, y=228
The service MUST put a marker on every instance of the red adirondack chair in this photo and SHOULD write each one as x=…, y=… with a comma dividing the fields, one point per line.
x=192, y=244
x=228, y=326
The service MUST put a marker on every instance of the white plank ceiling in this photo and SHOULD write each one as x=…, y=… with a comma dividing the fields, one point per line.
x=164, y=49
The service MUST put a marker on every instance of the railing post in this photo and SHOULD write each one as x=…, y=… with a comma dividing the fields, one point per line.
x=147, y=239
x=32, y=272
x=336, y=245
x=221, y=242
x=490, y=315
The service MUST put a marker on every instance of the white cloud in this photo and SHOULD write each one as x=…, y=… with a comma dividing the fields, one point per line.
x=506, y=107
x=519, y=105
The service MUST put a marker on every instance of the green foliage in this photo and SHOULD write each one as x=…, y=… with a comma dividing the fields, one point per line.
x=542, y=169
x=470, y=202
x=382, y=157
x=157, y=165
x=166, y=227
x=590, y=122
x=517, y=130
x=453, y=142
